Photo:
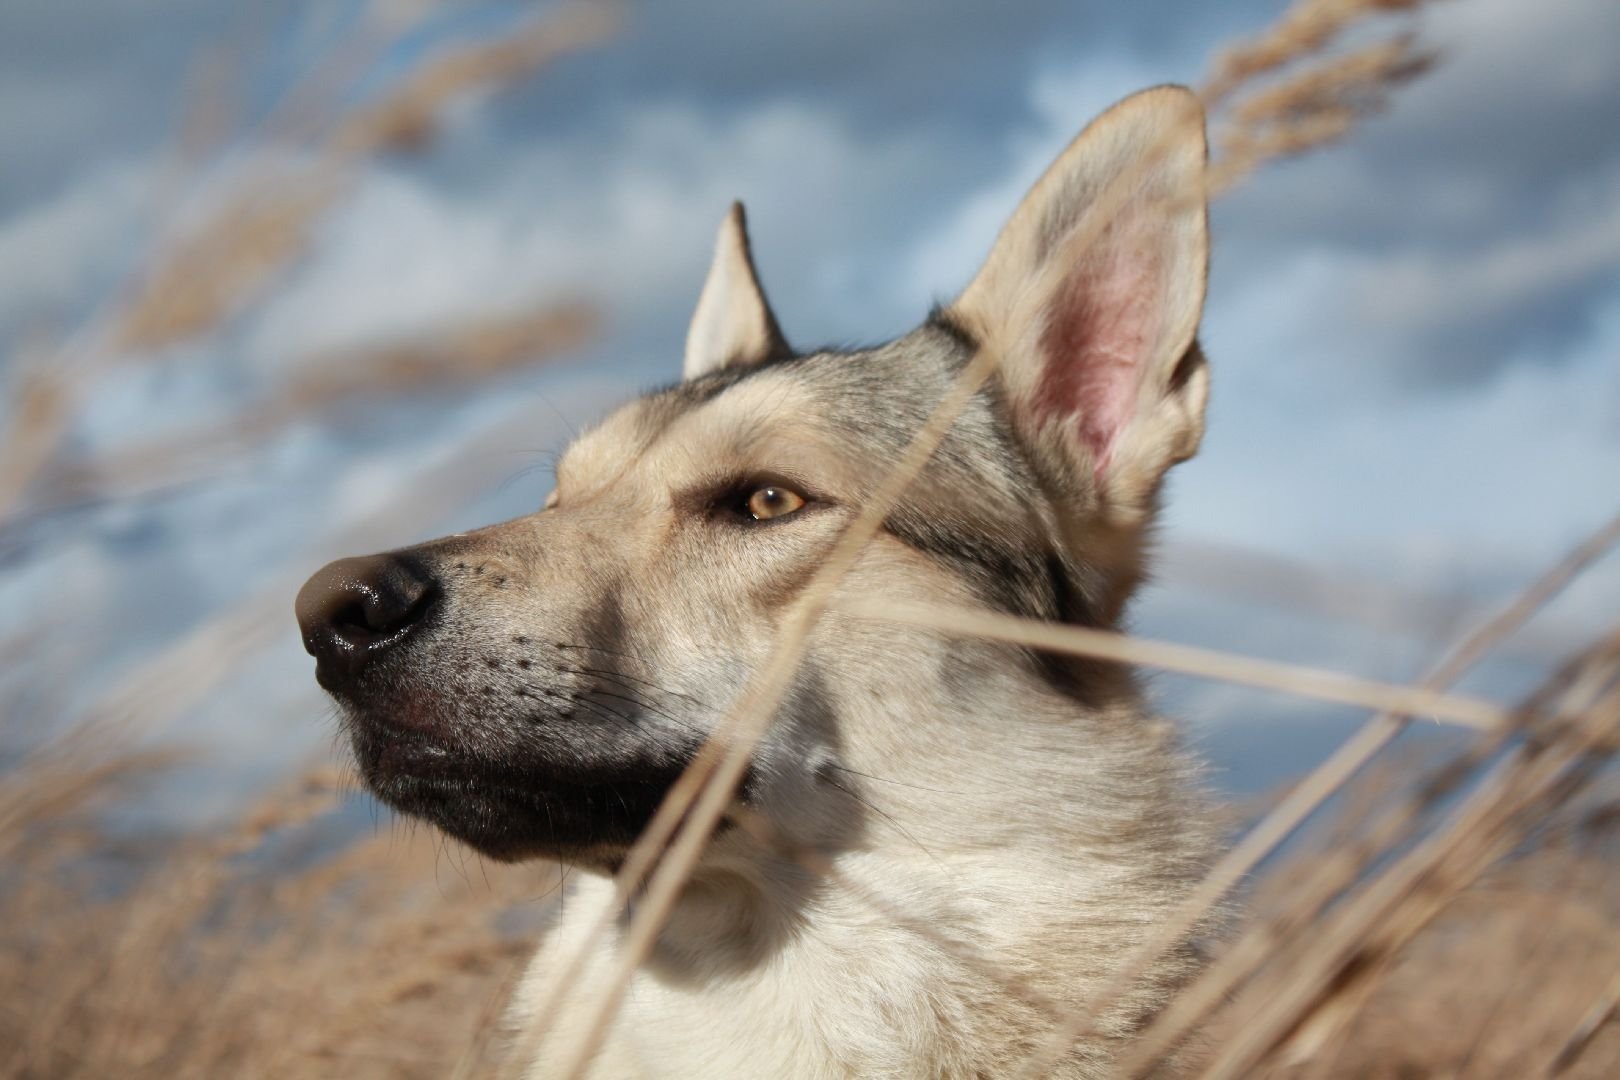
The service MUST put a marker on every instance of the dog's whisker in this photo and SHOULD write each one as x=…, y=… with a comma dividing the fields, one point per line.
x=566, y=646
x=885, y=815
x=653, y=735
x=651, y=710
x=617, y=677
x=643, y=682
x=887, y=780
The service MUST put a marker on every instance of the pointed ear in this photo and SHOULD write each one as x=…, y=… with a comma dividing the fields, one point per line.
x=1092, y=295
x=732, y=324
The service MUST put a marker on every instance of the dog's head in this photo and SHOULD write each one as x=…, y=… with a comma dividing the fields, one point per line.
x=535, y=687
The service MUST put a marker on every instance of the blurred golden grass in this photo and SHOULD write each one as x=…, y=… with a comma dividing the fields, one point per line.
x=215, y=258
x=271, y=945
x=448, y=357
x=1464, y=924
x=1494, y=987
x=274, y=947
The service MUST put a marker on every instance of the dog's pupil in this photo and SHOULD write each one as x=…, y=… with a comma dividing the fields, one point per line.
x=768, y=502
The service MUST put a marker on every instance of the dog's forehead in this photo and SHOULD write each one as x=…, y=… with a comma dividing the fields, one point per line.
x=720, y=421
x=830, y=411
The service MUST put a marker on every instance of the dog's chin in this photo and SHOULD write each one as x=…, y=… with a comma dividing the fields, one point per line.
x=513, y=805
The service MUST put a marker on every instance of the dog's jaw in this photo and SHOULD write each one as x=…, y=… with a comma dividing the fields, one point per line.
x=512, y=811
x=509, y=746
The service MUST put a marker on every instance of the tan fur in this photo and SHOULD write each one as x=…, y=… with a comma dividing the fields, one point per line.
x=732, y=323
x=1049, y=895
x=533, y=687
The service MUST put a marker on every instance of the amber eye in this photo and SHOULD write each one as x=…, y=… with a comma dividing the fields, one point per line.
x=773, y=502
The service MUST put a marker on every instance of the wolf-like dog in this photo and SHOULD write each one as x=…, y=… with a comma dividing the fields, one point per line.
x=535, y=688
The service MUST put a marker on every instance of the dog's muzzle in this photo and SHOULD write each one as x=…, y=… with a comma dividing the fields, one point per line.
x=354, y=611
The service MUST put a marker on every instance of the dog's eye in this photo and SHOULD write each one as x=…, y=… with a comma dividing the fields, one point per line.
x=773, y=501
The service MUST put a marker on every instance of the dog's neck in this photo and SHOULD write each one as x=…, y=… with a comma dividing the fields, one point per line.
x=956, y=916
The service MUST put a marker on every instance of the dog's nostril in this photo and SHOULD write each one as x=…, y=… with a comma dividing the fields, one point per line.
x=353, y=610
x=351, y=615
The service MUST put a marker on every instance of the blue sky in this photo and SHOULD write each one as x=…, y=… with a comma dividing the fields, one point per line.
x=1415, y=336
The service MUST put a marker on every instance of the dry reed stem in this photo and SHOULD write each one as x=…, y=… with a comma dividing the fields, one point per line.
x=724, y=756
x=1453, y=1003
x=1321, y=100
x=1603, y=1010
x=162, y=983
x=208, y=965
x=224, y=263
x=1334, y=85
x=1308, y=27
x=1403, y=899
x=1189, y=660
x=40, y=415
x=219, y=267
x=1306, y=797
x=59, y=784
x=408, y=117
x=303, y=115
x=1351, y=860
x=471, y=349
x=161, y=914
x=197, y=280
x=1349, y=863
x=200, y=996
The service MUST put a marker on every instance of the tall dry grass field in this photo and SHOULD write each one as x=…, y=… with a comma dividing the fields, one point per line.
x=1456, y=919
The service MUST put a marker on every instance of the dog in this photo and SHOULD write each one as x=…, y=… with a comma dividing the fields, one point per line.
x=535, y=688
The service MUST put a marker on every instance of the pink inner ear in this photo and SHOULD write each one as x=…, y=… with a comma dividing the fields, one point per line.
x=1101, y=328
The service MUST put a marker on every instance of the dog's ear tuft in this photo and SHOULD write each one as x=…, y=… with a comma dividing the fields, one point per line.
x=1093, y=293
x=733, y=323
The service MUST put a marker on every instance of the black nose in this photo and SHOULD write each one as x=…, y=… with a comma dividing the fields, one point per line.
x=354, y=610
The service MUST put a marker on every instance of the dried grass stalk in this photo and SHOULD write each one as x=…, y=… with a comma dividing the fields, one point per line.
x=473, y=349
x=199, y=279
x=1363, y=936
x=222, y=265
x=408, y=117
x=1306, y=29
x=1326, y=779
x=1188, y=660
x=1313, y=97
x=1603, y=1010
x=1356, y=857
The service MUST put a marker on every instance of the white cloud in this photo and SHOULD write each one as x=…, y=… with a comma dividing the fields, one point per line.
x=631, y=227
x=55, y=254
x=1423, y=307
x=1562, y=50
x=1428, y=290
x=1460, y=490
x=1064, y=100
x=1509, y=469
